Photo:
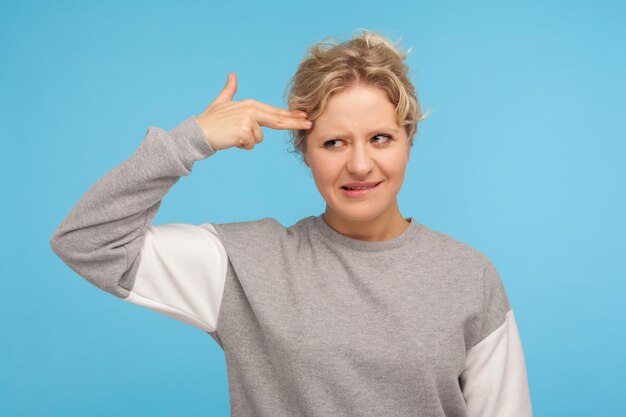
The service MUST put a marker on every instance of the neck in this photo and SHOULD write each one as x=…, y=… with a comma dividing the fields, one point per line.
x=385, y=227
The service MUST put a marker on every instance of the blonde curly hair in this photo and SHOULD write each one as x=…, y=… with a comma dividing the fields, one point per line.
x=366, y=59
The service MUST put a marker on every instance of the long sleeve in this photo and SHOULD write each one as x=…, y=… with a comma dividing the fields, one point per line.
x=109, y=240
x=494, y=381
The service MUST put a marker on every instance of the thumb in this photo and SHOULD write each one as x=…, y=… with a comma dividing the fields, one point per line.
x=229, y=90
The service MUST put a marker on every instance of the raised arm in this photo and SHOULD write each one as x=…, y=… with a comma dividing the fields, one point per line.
x=108, y=237
x=101, y=237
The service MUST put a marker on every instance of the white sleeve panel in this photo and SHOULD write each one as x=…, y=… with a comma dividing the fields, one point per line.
x=494, y=381
x=181, y=273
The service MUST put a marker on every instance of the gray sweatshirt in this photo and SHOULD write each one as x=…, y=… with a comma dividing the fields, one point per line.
x=312, y=322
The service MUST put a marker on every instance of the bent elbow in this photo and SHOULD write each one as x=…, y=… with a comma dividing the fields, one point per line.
x=102, y=267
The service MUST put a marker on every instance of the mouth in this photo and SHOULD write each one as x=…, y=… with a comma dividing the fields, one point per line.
x=358, y=191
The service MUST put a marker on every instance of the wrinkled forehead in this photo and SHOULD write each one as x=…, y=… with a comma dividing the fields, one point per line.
x=356, y=111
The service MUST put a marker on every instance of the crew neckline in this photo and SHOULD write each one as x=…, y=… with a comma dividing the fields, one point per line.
x=363, y=245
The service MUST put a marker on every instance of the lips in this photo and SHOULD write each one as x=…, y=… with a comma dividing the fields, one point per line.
x=360, y=185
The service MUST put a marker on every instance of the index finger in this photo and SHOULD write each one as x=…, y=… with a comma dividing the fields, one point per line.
x=268, y=108
x=278, y=120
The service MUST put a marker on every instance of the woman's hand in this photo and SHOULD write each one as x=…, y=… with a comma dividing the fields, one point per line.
x=228, y=123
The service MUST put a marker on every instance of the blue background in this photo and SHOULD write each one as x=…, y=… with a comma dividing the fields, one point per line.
x=523, y=157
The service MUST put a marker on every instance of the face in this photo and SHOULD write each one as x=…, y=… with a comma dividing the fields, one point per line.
x=357, y=139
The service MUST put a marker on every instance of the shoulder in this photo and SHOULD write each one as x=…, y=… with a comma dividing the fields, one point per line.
x=448, y=248
x=265, y=233
x=473, y=270
x=255, y=247
x=251, y=228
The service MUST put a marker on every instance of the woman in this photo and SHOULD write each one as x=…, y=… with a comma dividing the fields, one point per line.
x=358, y=311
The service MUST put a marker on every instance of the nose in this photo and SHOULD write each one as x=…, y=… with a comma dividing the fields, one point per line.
x=360, y=162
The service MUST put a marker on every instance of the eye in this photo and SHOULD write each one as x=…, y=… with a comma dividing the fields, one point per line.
x=328, y=143
x=386, y=139
x=384, y=135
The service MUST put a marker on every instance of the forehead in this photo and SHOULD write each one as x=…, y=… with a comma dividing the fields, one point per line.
x=358, y=109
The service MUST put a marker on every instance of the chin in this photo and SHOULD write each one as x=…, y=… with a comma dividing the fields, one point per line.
x=360, y=214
